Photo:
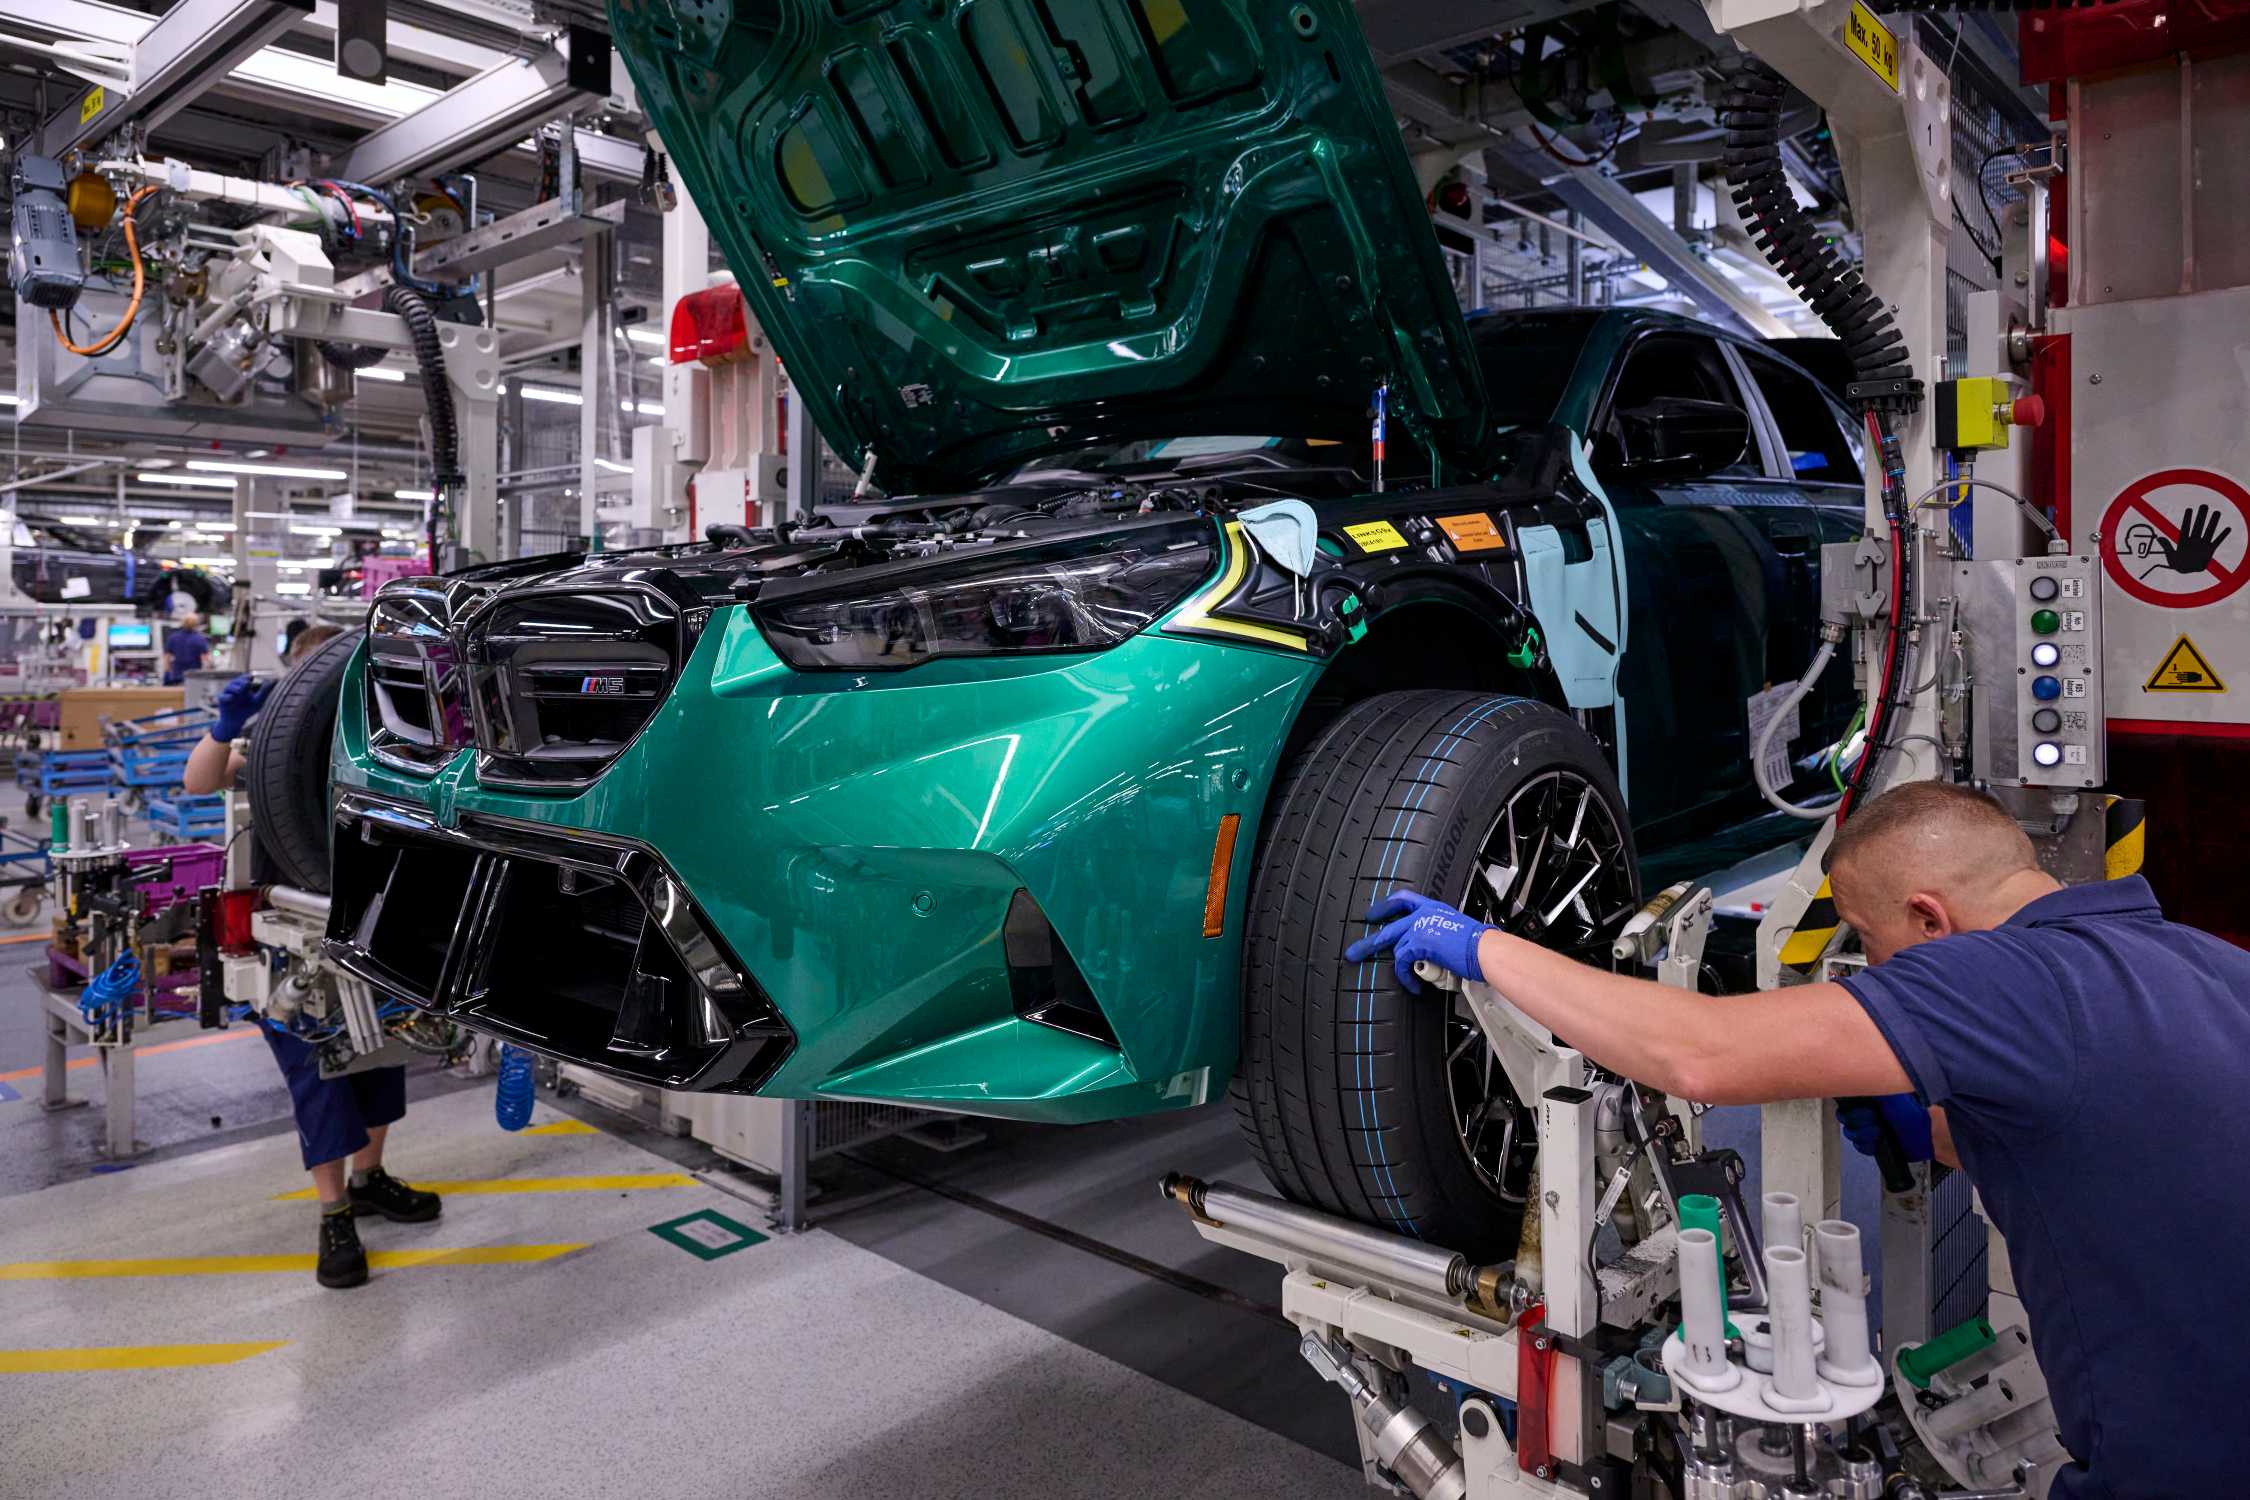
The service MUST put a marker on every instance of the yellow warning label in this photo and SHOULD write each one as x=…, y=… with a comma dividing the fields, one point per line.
x=91, y=105
x=1376, y=536
x=2183, y=670
x=1872, y=43
x=1473, y=533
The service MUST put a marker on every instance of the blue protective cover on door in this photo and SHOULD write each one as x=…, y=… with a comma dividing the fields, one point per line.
x=1580, y=606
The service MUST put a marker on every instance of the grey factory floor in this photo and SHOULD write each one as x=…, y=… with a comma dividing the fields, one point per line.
x=1020, y=1317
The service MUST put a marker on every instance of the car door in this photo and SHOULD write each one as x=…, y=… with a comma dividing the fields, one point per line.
x=1813, y=494
x=1706, y=578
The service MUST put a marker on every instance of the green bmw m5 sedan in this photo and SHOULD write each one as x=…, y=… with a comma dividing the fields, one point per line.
x=1222, y=577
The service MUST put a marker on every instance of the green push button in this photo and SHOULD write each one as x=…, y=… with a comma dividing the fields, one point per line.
x=2045, y=621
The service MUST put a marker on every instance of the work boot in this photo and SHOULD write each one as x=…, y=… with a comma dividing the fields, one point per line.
x=342, y=1262
x=381, y=1193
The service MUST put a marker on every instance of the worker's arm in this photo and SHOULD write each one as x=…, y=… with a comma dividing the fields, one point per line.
x=1808, y=1042
x=211, y=766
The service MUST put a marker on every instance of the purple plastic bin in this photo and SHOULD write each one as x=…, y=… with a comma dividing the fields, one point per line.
x=194, y=866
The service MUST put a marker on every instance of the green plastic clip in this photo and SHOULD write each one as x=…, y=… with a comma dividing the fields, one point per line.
x=1920, y=1363
x=1701, y=1211
x=1526, y=656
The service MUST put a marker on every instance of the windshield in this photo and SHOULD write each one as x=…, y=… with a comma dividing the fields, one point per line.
x=1527, y=359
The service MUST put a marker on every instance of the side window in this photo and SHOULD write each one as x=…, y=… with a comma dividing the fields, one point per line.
x=1678, y=364
x=1820, y=448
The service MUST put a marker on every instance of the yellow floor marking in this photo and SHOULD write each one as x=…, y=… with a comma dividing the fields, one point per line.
x=142, y=1357
x=247, y=1265
x=563, y=1127
x=618, y=1182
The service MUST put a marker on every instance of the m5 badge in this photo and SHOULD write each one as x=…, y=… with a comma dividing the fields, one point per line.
x=601, y=687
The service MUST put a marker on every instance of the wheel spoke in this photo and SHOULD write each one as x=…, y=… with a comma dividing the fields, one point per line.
x=1553, y=858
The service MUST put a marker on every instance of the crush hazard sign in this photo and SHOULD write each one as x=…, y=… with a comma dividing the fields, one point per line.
x=2178, y=538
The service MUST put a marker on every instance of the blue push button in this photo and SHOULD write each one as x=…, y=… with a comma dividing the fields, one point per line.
x=2046, y=689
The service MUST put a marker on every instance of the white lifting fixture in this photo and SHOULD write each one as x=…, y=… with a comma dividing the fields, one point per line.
x=1649, y=1320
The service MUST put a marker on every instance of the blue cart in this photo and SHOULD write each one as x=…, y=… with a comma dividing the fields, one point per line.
x=189, y=820
x=47, y=774
x=150, y=755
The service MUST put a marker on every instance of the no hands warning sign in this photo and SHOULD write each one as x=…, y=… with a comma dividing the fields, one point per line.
x=2179, y=538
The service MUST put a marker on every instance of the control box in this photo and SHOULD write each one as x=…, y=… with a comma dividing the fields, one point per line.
x=2033, y=639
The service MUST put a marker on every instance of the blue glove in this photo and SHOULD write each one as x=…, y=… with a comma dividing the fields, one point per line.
x=1421, y=928
x=238, y=703
x=1909, y=1122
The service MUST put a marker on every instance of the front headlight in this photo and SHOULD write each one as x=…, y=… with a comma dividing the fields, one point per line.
x=1084, y=595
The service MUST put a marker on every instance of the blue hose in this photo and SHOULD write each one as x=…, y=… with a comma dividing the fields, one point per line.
x=115, y=986
x=511, y=1106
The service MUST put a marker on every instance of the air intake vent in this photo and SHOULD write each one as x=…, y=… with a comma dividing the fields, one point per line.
x=563, y=682
x=417, y=686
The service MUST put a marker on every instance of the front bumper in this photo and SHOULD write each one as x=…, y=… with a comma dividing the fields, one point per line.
x=854, y=846
x=582, y=947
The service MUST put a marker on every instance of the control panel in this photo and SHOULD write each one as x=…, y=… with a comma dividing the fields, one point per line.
x=2034, y=638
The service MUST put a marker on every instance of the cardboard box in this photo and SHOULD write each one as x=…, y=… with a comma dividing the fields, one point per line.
x=83, y=710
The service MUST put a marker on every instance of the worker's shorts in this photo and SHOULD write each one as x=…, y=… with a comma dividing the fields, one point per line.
x=334, y=1114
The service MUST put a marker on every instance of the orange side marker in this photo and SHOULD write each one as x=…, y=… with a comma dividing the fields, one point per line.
x=1222, y=864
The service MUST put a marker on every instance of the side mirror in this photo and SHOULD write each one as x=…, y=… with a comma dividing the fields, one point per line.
x=1679, y=437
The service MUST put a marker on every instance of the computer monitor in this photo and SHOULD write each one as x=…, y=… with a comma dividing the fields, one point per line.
x=131, y=636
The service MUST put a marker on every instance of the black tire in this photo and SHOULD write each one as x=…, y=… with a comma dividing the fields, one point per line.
x=287, y=777
x=1347, y=1084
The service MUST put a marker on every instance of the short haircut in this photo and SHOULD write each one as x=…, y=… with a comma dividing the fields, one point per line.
x=1932, y=834
x=309, y=637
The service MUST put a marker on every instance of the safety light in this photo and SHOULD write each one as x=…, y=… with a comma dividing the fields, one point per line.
x=710, y=326
x=2046, y=654
x=2047, y=753
x=2046, y=689
x=2045, y=621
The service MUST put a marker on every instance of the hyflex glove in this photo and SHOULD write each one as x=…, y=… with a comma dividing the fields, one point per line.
x=237, y=704
x=1420, y=928
x=1864, y=1120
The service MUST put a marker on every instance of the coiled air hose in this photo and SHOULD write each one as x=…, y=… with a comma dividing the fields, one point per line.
x=107, y=991
x=512, y=1100
x=445, y=439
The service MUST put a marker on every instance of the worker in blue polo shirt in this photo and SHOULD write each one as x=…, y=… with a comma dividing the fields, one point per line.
x=2077, y=1055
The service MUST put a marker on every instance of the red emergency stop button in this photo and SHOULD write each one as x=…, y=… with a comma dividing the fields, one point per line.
x=2027, y=411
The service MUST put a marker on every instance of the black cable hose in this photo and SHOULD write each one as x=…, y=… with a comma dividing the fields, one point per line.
x=421, y=326
x=350, y=356
x=1750, y=112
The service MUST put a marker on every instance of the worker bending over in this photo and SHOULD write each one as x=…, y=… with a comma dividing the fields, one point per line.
x=341, y=1122
x=2081, y=1058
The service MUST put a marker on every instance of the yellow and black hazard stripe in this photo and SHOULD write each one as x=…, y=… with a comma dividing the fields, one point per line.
x=1815, y=930
x=2124, y=837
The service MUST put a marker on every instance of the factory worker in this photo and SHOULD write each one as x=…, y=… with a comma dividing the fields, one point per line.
x=2076, y=1054
x=342, y=1122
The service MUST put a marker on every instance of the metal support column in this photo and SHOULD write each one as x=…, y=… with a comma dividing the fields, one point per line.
x=595, y=267
x=804, y=459
x=1574, y=264
x=472, y=370
x=796, y=1164
x=1683, y=199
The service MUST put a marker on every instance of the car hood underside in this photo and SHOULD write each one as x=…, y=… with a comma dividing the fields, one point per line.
x=977, y=231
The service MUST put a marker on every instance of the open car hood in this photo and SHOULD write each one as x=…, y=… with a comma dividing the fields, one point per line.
x=979, y=229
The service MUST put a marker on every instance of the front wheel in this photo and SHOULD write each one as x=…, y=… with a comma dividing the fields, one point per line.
x=1357, y=1097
